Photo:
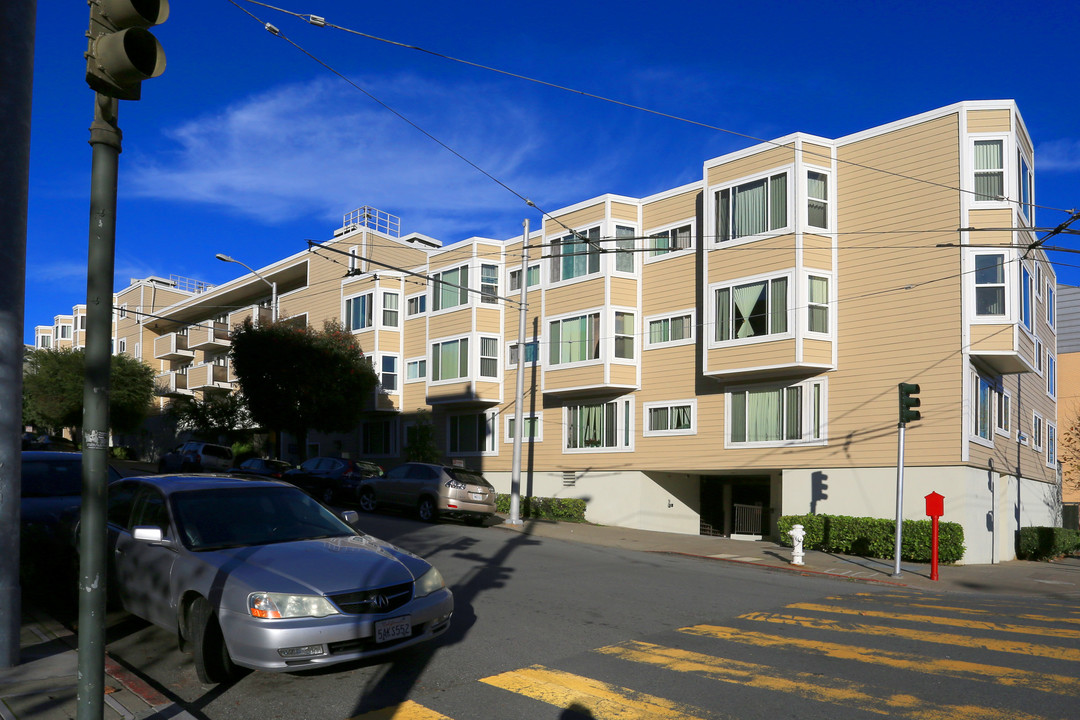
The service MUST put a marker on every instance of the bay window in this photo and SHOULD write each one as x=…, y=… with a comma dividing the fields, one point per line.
x=982, y=406
x=450, y=288
x=471, y=433
x=777, y=414
x=389, y=375
x=624, y=335
x=574, y=339
x=575, y=255
x=489, y=357
x=450, y=359
x=358, y=312
x=989, y=170
x=489, y=283
x=751, y=208
x=817, y=305
x=599, y=426
x=752, y=310
x=390, y=309
x=817, y=199
x=990, y=284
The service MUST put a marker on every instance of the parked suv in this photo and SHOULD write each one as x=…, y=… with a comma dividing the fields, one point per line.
x=433, y=491
x=196, y=457
x=332, y=479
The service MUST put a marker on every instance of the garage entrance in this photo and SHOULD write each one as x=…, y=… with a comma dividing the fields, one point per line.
x=735, y=505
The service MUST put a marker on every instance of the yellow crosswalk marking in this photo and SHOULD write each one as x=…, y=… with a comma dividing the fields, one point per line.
x=931, y=605
x=936, y=620
x=808, y=686
x=407, y=710
x=602, y=700
x=1009, y=646
x=1012, y=677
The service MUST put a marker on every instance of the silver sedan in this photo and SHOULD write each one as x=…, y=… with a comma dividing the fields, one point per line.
x=258, y=574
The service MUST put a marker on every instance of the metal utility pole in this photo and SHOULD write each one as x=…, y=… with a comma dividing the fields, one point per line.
x=519, y=391
x=17, y=71
x=908, y=413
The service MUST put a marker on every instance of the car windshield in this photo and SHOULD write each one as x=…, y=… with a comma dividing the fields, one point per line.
x=52, y=478
x=215, y=518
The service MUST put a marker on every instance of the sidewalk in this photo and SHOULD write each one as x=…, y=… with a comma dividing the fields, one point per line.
x=44, y=686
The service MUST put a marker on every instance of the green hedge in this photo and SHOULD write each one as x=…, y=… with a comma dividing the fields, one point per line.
x=543, y=508
x=874, y=537
x=1044, y=543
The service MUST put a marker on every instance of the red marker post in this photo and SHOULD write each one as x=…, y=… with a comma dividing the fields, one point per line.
x=935, y=508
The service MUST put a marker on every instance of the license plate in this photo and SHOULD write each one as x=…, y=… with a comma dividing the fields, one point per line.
x=476, y=496
x=393, y=629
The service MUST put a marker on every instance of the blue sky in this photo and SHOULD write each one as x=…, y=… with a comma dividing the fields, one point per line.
x=246, y=146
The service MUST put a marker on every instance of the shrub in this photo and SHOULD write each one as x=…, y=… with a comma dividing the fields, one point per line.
x=543, y=508
x=1044, y=543
x=874, y=537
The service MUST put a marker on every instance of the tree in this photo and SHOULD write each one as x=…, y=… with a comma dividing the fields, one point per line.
x=212, y=416
x=420, y=444
x=299, y=379
x=1069, y=451
x=53, y=390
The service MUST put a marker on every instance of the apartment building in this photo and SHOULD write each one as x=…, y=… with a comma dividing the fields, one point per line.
x=1068, y=309
x=716, y=355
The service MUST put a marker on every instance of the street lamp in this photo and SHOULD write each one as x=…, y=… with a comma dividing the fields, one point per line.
x=273, y=285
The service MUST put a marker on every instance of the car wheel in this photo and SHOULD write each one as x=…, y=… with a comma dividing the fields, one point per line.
x=212, y=662
x=367, y=500
x=427, y=511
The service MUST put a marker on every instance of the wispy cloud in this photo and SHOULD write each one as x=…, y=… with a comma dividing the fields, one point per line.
x=321, y=148
x=1058, y=155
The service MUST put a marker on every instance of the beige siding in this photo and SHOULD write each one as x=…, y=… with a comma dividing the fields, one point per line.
x=772, y=255
x=819, y=155
x=489, y=321
x=668, y=285
x=624, y=211
x=991, y=219
x=449, y=390
x=817, y=252
x=992, y=338
x=755, y=355
x=585, y=376
x=577, y=219
x=979, y=121
x=573, y=297
x=415, y=337
x=671, y=210
x=817, y=352
x=450, y=324
x=623, y=375
x=624, y=292
x=762, y=162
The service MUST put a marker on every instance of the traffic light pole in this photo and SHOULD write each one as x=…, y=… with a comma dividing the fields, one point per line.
x=899, y=501
x=105, y=141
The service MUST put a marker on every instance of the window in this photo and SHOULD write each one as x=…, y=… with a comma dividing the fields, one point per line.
x=602, y=425
x=471, y=433
x=389, y=374
x=1038, y=356
x=670, y=240
x=532, y=430
x=779, y=415
x=122, y=312
x=751, y=208
x=982, y=409
x=1051, y=375
x=624, y=248
x=122, y=345
x=416, y=305
x=489, y=357
x=358, y=312
x=575, y=255
x=44, y=341
x=1036, y=432
x=489, y=283
x=354, y=258
x=1025, y=297
x=1051, y=445
x=532, y=353
x=65, y=332
x=532, y=277
x=1026, y=183
x=450, y=360
x=1004, y=413
x=415, y=370
x=818, y=305
x=817, y=199
x=575, y=339
x=671, y=418
x=990, y=284
x=377, y=437
x=451, y=288
x=1051, y=310
x=624, y=335
x=390, y=309
x=674, y=330
x=752, y=310
x=989, y=170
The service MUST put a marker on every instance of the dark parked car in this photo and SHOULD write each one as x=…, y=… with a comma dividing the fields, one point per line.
x=432, y=490
x=261, y=575
x=262, y=467
x=196, y=456
x=332, y=479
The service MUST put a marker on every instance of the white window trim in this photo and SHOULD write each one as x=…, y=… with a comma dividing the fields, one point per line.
x=511, y=270
x=710, y=212
x=413, y=297
x=497, y=377
x=648, y=255
x=1038, y=357
x=508, y=436
x=393, y=431
x=122, y=312
x=998, y=429
x=601, y=311
x=1007, y=169
x=346, y=316
x=1009, y=284
x=647, y=335
x=804, y=206
x=422, y=378
x=621, y=415
x=1051, y=445
x=808, y=438
x=121, y=346
x=613, y=252
x=399, y=373
x=1051, y=307
x=507, y=347
x=830, y=303
x=972, y=419
x=492, y=446
x=692, y=430
x=1036, y=437
x=1051, y=376
x=471, y=360
x=550, y=242
x=710, y=310
x=1020, y=299
x=382, y=309
x=609, y=346
x=470, y=271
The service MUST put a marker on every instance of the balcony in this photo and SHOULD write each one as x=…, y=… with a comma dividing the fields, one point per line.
x=1003, y=347
x=173, y=383
x=208, y=378
x=173, y=346
x=598, y=377
x=785, y=357
x=465, y=394
x=209, y=337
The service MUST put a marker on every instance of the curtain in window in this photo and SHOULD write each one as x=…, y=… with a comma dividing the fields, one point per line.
x=680, y=417
x=748, y=208
x=749, y=310
x=555, y=343
x=624, y=335
x=659, y=331
x=818, y=308
x=624, y=244
x=778, y=309
x=489, y=357
x=738, y=417
x=793, y=413
x=592, y=425
x=817, y=193
x=723, y=314
x=681, y=238
x=723, y=216
x=658, y=418
x=777, y=201
x=989, y=173
x=680, y=327
x=390, y=309
x=573, y=340
x=763, y=415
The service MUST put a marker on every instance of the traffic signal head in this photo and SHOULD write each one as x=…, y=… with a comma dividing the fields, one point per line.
x=121, y=52
x=908, y=402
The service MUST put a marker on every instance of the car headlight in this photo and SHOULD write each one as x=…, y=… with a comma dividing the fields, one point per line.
x=428, y=583
x=275, y=606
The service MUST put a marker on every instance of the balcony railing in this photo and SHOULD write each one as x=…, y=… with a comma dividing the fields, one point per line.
x=209, y=336
x=172, y=347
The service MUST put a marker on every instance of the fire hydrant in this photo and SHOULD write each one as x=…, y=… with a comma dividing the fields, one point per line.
x=797, y=534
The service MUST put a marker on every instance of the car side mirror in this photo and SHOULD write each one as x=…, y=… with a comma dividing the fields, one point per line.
x=350, y=516
x=147, y=533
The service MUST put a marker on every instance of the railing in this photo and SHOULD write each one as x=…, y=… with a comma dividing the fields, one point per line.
x=747, y=519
